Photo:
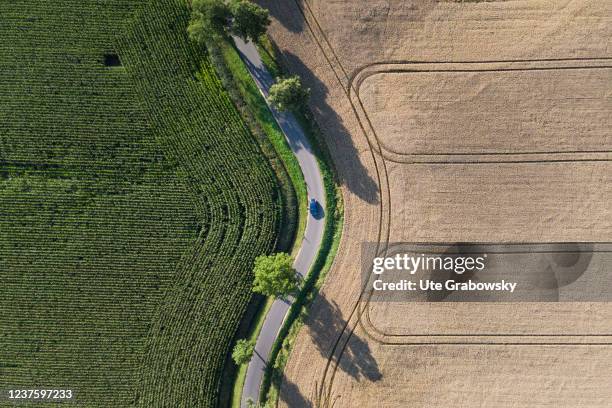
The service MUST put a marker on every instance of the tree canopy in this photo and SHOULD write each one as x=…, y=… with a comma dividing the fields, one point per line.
x=242, y=17
x=288, y=94
x=250, y=20
x=243, y=351
x=208, y=18
x=275, y=276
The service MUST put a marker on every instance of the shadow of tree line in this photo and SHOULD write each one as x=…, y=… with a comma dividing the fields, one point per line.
x=359, y=180
x=324, y=326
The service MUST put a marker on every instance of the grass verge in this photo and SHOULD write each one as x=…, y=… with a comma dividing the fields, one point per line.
x=254, y=330
x=283, y=345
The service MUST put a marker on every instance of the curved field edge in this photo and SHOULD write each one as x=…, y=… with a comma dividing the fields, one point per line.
x=251, y=103
x=134, y=201
x=189, y=340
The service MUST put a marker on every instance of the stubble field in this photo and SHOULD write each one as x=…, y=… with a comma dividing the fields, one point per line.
x=456, y=122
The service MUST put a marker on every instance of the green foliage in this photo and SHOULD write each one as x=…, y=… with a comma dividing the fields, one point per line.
x=208, y=18
x=250, y=21
x=197, y=29
x=275, y=276
x=243, y=351
x=134, y=202
x=289, y=94
x=252, y=404
x=211, y=17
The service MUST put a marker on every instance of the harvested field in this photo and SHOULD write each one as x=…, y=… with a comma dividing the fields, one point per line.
x=456, y=122
x=491, y=376
x=524, y=202
x=362, y=32
x=490, y=108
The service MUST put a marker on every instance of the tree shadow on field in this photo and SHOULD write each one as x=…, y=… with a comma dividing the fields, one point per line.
x=289, y=13
x=324, y=327
x=291, y=395
x=336, y=135
x=286, y=12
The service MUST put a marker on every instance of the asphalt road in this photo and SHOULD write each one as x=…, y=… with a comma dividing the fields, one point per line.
x=314, y=227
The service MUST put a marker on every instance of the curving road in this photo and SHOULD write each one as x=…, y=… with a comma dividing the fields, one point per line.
x=314, y=227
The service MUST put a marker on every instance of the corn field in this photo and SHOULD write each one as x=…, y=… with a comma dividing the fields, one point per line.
x=133, y=201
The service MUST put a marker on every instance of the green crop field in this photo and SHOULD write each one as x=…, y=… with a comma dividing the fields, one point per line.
x=133, y=201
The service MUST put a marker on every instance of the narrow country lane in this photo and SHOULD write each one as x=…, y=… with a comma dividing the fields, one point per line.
x=314, y=227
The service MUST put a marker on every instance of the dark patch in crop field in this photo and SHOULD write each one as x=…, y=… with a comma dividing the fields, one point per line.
x=112, y=60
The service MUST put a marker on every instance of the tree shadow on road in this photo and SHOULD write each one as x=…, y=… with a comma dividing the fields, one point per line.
x=337, y=137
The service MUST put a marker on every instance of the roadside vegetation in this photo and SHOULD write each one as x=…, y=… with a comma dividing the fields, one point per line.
x=134, y=203
x=275, y=278
x=215, y=18
x=274, y=275
x=288, y=94
x=309, y=289
x=298, y=311
x=243, y=351
x=247, y=97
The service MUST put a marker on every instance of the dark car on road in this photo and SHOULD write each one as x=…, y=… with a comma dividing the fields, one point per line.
x=314, y=208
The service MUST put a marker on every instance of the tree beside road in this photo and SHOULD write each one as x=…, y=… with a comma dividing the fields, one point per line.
x=288, y=94
x=243, y=18
x=275, y=276
x=243, y=351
